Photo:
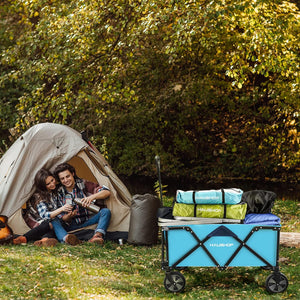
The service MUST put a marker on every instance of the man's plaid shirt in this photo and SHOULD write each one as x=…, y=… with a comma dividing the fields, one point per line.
x=79, y=191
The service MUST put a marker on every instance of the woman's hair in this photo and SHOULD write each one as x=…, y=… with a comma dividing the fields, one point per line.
x=40, y=184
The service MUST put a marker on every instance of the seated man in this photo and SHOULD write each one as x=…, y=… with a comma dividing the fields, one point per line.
x=74, y=187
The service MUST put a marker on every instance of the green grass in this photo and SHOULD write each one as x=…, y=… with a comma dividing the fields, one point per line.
x=134, y=272
x=289, y=212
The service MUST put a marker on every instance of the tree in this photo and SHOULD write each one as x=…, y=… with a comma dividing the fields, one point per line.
x=212, y=88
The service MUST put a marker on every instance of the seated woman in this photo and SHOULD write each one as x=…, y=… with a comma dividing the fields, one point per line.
x=46, y=203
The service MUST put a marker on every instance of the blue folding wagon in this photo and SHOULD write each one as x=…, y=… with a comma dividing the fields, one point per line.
x=221, y=246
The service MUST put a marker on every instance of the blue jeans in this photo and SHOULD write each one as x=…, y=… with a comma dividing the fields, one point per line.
x=102, y=219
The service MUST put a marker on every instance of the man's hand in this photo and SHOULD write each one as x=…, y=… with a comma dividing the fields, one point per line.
x=67, y=208
x=87, y=201
x=69, y=216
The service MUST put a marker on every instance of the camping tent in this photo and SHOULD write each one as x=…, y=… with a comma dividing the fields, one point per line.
x=47, y=145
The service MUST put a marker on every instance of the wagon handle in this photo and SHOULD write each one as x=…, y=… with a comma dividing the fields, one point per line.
x=157, y=159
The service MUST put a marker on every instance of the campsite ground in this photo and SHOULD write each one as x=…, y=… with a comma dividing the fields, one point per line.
x=134, y=272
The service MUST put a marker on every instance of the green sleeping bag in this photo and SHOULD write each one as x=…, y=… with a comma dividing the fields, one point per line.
x=224, y=211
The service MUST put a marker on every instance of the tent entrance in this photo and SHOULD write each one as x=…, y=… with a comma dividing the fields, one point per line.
x=46, y=145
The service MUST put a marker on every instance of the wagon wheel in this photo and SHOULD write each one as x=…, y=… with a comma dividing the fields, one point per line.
x=174, y=282
x=276, y=283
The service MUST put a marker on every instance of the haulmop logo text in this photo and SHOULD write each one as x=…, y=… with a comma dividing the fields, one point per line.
x=221, y=245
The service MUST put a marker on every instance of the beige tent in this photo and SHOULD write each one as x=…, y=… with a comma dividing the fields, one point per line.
x=47, y=145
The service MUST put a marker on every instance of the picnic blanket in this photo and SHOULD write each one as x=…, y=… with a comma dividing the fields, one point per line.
x=262, y=219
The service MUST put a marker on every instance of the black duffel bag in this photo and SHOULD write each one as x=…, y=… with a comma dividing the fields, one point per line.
x=259, y=201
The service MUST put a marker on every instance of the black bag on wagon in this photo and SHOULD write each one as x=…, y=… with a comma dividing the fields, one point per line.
x=259, y=201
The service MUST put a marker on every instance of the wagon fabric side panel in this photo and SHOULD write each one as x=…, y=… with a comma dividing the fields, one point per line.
x=222, y=245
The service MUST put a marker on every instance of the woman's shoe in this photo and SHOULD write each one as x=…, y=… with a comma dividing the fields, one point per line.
x=20, y=240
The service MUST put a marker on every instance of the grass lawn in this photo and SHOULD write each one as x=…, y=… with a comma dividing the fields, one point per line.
x=134, y=272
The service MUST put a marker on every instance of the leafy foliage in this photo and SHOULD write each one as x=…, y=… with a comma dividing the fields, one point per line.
x=213, y=88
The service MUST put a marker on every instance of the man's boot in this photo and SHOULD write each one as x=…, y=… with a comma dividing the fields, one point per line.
x=97, y=238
